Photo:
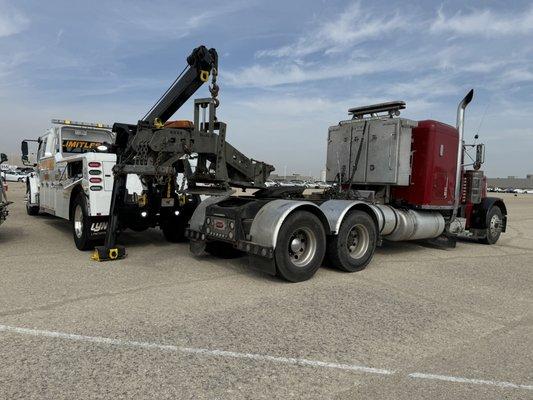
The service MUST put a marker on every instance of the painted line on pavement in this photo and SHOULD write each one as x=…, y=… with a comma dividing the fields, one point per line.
x=255, y=357
x=192, y=350
x=458, y=379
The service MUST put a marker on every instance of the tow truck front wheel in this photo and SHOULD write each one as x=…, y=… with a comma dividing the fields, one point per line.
x=300, y=246
x=80, y=224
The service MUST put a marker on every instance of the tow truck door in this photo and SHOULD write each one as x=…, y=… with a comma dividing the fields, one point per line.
x=46, y=165
x=61, y=196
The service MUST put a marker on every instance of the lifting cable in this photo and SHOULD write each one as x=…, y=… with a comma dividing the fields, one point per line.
x=164, y=94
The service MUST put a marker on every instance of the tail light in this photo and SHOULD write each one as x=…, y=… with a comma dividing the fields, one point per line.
x=95, y=164
x=95, y=180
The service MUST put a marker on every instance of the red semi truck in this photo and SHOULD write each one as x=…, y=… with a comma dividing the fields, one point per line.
x=393, y=179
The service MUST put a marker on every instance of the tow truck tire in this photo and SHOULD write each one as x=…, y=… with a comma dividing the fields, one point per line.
x=353, y=247
x=494, y=223
x=81, y=224
x=31, y=210
x=300, y=246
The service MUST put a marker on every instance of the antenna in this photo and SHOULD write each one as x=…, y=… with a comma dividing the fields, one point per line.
x=481, y=121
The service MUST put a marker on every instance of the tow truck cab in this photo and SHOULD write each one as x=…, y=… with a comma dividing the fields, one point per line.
x=73, y=178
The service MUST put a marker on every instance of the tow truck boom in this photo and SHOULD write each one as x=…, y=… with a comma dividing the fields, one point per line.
x=157, y=150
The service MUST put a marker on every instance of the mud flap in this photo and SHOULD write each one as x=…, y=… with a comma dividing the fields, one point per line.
x=98, y=227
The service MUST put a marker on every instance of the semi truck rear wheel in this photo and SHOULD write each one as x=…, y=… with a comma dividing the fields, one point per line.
x=81, y=226
x=300, y=246
x=353, y=247
x=494, y=223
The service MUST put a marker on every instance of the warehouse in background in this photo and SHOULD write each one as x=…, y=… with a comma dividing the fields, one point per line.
x=511, y=182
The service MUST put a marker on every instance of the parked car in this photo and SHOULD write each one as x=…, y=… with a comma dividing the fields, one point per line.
x=14, y=176
x=270, y=183
x=320, y=185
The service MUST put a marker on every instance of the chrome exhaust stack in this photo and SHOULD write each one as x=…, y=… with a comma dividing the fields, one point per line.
x=460, y=128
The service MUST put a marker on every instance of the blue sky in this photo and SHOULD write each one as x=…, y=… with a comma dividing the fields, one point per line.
x=288, y=69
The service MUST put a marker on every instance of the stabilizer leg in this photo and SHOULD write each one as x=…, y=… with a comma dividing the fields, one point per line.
x=110, y=250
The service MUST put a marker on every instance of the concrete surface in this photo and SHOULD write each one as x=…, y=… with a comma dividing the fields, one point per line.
x=440, y=324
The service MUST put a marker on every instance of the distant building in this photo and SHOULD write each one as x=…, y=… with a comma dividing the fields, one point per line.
x=512, y=182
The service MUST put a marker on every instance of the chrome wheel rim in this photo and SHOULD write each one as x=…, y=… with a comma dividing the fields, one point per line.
x=302, y=247
x=78, y=221
x=495, y=225
x=357, y=241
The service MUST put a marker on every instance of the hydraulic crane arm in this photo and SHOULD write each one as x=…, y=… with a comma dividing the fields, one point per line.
x=201, y=62
x=157, y=150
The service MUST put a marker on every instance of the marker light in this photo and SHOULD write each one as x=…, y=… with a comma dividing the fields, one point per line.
x=94, y=164
x=95, y=180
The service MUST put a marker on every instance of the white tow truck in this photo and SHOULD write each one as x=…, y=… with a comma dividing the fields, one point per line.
x=73, y=180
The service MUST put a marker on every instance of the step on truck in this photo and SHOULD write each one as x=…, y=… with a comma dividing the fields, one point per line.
x=73, y=180
x=392, y=179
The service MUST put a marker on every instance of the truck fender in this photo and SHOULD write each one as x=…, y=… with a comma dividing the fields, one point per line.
x=32, y=184
x=75, y=190
x=267, y=222
x=336, y=210
x=478, y=217
x=198, y=217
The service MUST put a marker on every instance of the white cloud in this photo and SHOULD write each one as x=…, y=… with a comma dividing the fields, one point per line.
x=351, y=27
x=12, y=21
x=191, y=18
x=517, y=75
x=484, y=22
x=283, y=73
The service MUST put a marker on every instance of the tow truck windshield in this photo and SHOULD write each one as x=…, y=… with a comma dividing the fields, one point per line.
x=82, y=140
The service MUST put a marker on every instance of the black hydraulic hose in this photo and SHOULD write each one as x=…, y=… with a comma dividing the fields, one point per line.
x=357, y=157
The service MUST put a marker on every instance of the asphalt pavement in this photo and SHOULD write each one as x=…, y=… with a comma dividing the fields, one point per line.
x=418, y=323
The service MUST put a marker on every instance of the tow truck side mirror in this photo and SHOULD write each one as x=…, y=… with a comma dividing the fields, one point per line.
x=24, y=150
x=3, y=158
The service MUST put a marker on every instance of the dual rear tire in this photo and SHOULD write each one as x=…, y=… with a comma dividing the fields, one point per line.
x=302, y=244
x=353, y=247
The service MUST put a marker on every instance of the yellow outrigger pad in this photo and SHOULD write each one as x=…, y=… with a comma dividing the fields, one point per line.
x=103, y=253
